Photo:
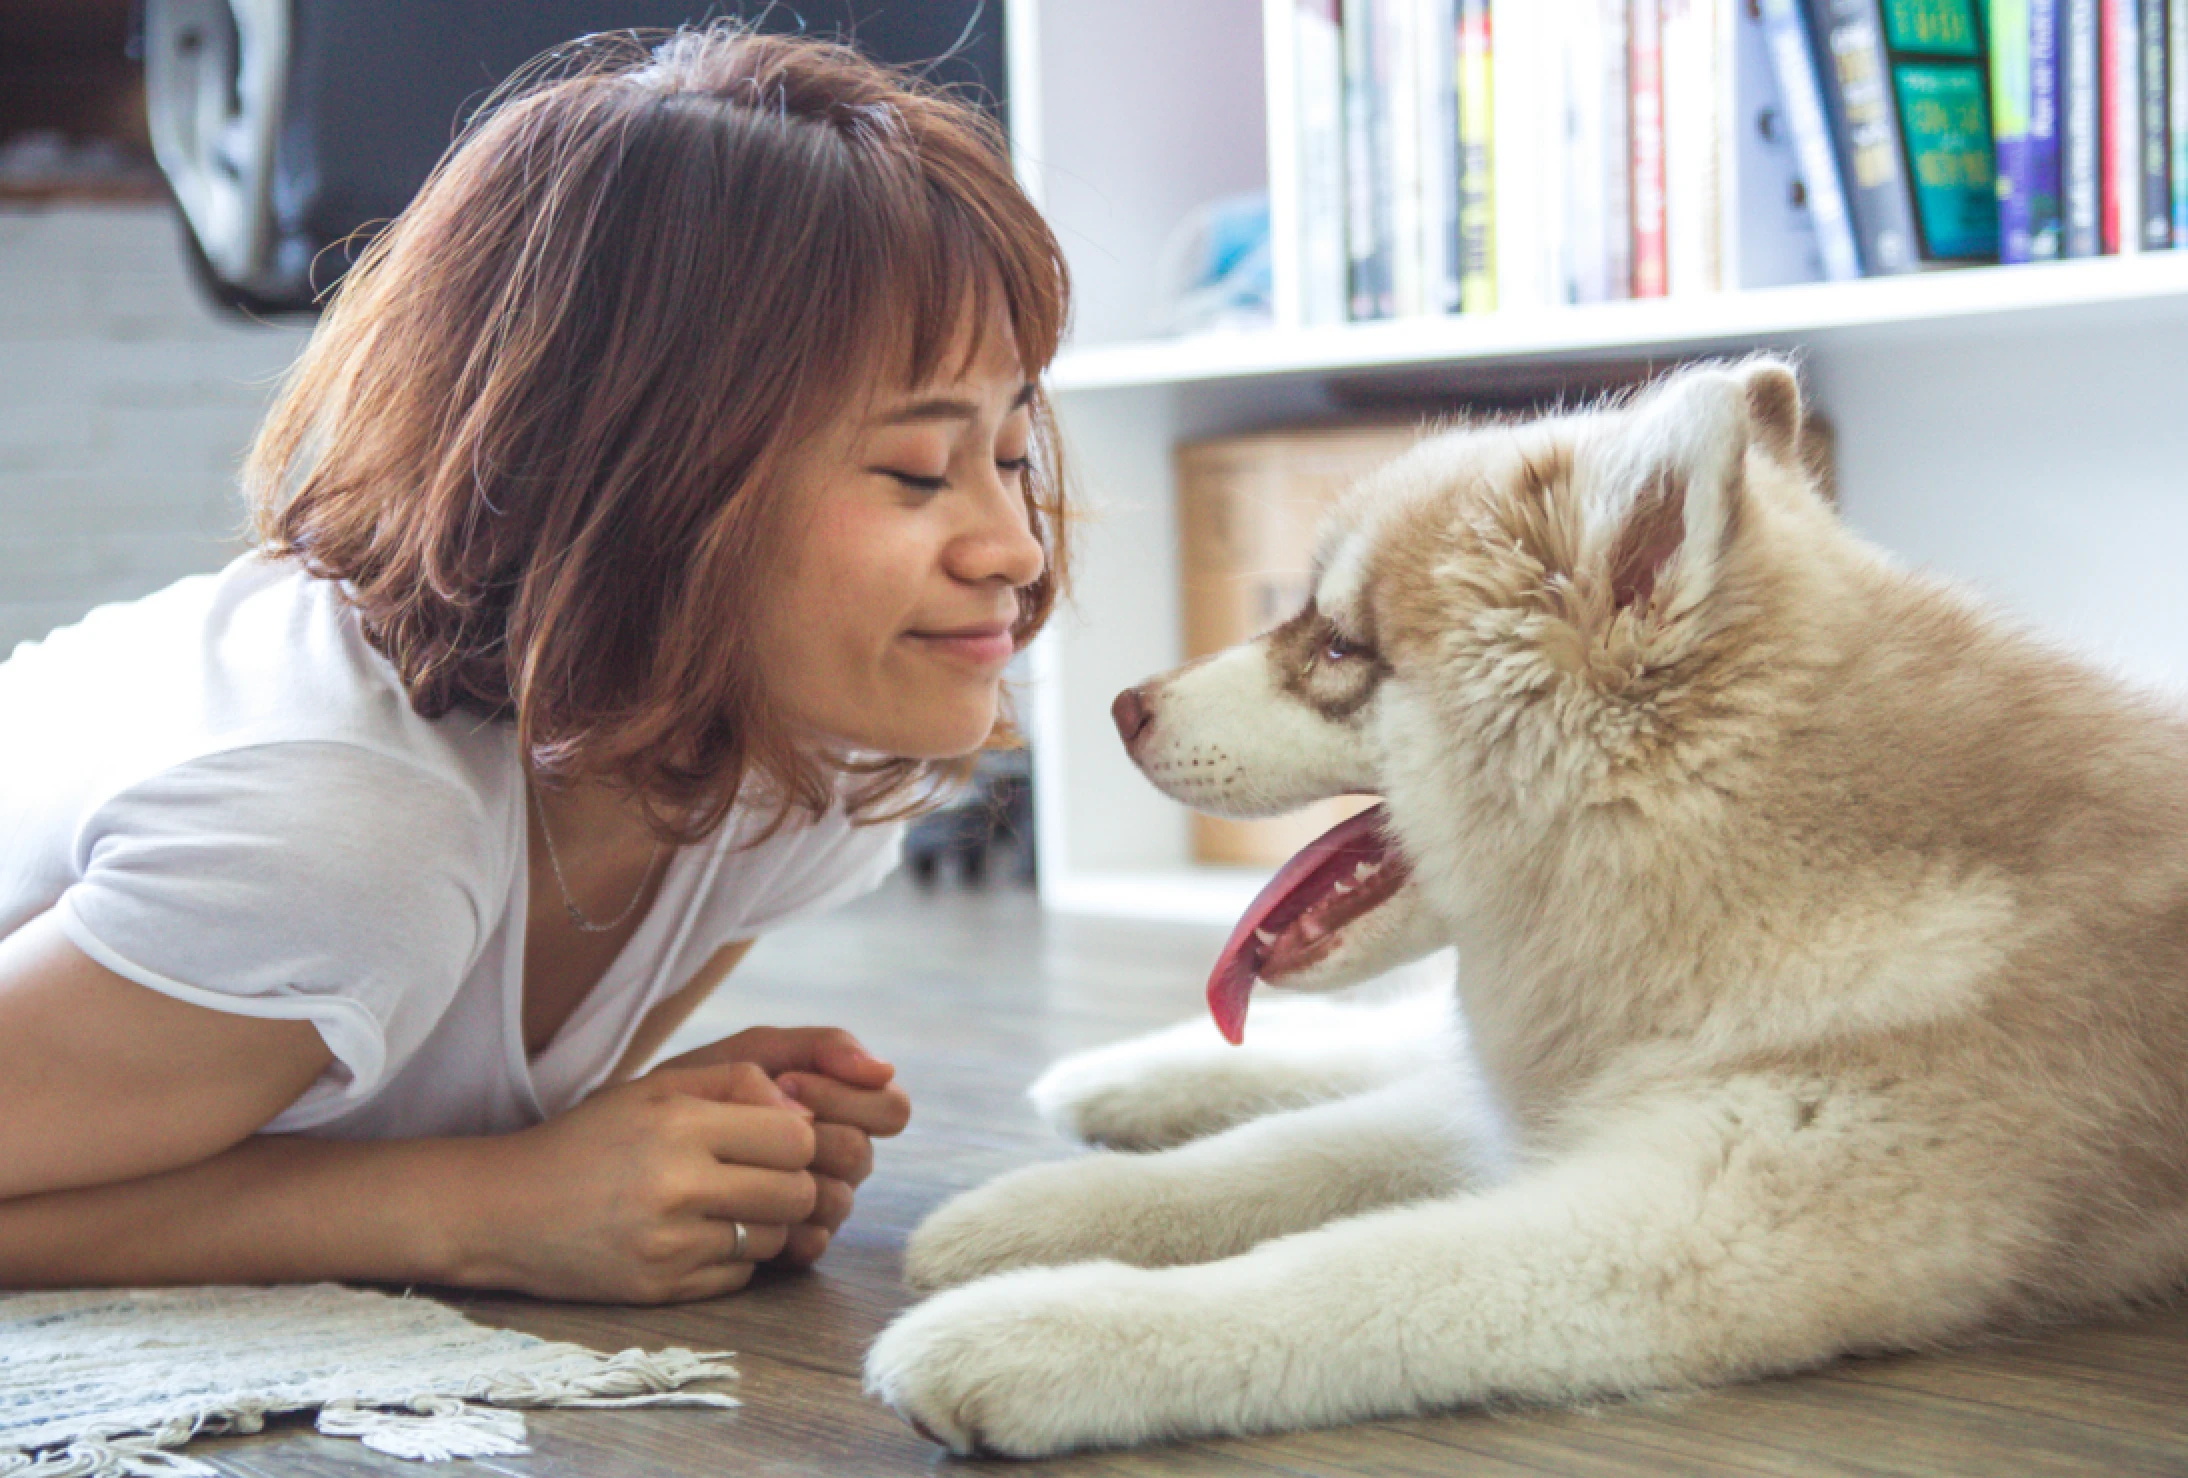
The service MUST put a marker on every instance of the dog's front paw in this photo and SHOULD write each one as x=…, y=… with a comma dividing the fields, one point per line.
x=1149, y=1093
x=1040, y=1216
x=1023, y=1365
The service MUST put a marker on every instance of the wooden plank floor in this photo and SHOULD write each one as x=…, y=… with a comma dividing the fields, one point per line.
x=971, y=994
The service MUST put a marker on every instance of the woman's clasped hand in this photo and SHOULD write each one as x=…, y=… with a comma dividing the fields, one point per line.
x=635, y=1194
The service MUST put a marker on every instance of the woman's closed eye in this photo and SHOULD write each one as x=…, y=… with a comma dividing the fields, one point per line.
x=921, y=482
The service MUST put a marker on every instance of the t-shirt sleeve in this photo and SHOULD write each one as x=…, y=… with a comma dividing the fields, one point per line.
x=313, y=881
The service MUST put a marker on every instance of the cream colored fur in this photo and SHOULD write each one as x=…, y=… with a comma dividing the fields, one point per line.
x=1824, y=977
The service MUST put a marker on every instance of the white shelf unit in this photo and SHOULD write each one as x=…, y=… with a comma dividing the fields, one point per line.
x=2024, y=429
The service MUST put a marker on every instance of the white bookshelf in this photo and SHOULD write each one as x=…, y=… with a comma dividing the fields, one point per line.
x=2024, y=429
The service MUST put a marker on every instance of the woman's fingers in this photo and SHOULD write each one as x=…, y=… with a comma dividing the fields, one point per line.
x=741, y=1193
x=805, y=1246
x=842, y=1153
x=764, y=1241
x=783, y=1049
x=711, y=1281
x=832, y=1201
x=879, y=1111
x=770, y=1139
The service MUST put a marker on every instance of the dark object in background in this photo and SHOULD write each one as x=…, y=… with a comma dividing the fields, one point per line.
x=287, y=126
x=993, y=816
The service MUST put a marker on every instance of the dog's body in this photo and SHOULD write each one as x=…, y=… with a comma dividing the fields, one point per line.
x=1824, y=975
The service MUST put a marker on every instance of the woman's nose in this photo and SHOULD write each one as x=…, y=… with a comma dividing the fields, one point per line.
x=1004, y=547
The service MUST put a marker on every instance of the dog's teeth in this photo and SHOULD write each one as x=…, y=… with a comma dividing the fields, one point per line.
x=1310, y=929
x=1265, y=937
x=1346, y=885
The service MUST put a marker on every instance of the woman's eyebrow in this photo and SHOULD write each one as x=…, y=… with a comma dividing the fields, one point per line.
x=950, y=408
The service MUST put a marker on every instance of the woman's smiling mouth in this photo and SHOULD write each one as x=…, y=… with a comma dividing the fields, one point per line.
x=990, y=644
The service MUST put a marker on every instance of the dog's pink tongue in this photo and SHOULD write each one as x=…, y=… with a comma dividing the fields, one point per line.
x=1297, y=884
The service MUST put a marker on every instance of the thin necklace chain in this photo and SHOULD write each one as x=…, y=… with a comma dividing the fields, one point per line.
x=569, y=904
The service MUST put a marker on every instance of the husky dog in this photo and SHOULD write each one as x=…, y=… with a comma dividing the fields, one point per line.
x=1822, y=985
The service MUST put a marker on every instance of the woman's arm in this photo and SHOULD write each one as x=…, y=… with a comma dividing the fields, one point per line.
x=102, y=1079
x=127, y=1156
x=628, y=1198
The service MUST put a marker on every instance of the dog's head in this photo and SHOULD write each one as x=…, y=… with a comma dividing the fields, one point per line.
x=1510, y=626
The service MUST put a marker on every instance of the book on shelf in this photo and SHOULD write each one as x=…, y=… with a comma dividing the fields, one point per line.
x=2081, y=132
x=1436, y=60
x=2154, y=152
x=2031, y=226
x=1367, y=189
x=2176, y=115
x=2119, y=77
x=1907, y=86
x=1520, y=35
x=1770, y=228
x=1808, y=127
x=1314, y=152
x=2012, y=85
x=1651, y=269
x=1477, y=143
x=1468, y=156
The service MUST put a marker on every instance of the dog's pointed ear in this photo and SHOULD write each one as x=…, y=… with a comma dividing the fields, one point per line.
x=1678, y=478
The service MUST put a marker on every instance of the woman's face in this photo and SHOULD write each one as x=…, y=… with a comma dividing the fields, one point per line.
x=893, y=628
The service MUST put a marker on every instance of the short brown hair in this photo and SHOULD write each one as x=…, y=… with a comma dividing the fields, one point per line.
x=541, y=434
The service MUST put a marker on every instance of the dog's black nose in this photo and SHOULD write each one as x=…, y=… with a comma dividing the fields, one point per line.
x=1132, y=715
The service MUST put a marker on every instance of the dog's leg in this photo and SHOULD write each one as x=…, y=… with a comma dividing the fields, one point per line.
x=1684, y=1255
x=1160, y=1090
x=1216, y=1197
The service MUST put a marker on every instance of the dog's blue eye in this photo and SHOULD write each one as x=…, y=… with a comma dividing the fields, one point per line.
x=1339, y=649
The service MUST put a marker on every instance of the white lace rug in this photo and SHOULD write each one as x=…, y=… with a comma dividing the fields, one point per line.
x=107, y=1384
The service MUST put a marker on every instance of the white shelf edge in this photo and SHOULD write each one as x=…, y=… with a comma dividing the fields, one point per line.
x=1659, y=323
x=1184, y=895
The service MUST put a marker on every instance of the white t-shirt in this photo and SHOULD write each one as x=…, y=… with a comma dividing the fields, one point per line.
x=222, y=793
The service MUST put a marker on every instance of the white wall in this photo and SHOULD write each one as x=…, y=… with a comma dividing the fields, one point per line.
x=125, y=407
x=2047, y=467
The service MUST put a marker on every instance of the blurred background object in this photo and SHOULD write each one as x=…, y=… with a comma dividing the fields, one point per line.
x=1213, y=272
x=986, y=830
x=290, y=126
x=71, y=104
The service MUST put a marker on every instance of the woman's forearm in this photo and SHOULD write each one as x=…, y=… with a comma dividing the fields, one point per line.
x=275, y=1209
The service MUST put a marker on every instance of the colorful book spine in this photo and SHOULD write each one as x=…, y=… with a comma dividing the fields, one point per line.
x=1477, y=151
x=2152, y=33
x=1941, y=79
x=2120, y=133
x=2176, y=95
x=2039, y=186
x=1865, y=130
x=2081, y=129
x=2010, y=89
x=1793, y=59
x=1650, y=268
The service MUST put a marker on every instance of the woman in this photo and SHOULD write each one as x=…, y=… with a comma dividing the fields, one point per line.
x=647, y=525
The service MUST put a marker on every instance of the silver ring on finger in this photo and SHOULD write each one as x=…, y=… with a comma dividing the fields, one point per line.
x=737, y=1247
